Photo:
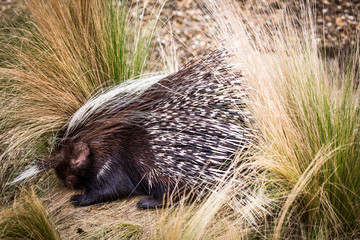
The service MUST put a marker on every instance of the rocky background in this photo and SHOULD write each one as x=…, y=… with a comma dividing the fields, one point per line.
x=187, y=25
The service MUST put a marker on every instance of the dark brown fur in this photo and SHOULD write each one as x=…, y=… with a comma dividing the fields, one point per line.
x=80, y=162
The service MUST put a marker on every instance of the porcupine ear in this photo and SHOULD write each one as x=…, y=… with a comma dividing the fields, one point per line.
x=81, y=153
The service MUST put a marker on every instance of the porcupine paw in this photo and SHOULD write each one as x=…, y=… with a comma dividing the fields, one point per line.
x=80, y=200
x=148, y=202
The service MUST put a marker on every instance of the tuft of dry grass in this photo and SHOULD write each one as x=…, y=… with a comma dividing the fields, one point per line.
x=54, y=61
x=307, y=111
x=27, y=219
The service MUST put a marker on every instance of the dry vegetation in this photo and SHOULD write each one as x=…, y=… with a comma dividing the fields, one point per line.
x=53, y=62
x=306, y=109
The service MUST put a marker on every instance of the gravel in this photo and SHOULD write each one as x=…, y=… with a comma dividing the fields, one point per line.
x=185, y=24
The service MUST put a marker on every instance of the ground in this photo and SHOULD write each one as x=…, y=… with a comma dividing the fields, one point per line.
x=186, y=21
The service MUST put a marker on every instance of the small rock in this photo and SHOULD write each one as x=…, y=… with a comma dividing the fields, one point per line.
x=339, y=22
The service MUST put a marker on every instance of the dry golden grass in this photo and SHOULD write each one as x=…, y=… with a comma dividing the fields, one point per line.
x=27, y=219
x=307, y=111
x=54, y=61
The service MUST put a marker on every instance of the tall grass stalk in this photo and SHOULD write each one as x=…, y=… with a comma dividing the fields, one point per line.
x=307, y=111
x=63, y=53
x=27, y=219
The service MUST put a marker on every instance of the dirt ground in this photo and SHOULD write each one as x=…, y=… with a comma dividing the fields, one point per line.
x=73, y=222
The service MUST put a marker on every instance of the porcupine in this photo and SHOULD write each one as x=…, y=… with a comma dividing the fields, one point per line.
x=178, y=135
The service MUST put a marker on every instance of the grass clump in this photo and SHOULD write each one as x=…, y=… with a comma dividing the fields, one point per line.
x=308, y=113
x=27, y=219
x=53, y=61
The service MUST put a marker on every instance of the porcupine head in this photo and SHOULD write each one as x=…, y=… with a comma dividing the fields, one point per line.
x=71, y=162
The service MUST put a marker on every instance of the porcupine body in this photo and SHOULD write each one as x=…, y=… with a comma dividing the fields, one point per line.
x=179, y=134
